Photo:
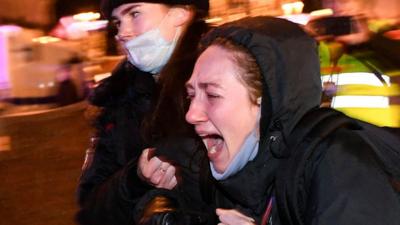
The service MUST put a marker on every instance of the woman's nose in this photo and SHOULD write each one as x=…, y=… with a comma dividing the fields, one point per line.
x=196, y=114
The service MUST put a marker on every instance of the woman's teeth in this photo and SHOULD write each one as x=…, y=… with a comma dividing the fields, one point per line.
x=213, y=149
x=213, y=144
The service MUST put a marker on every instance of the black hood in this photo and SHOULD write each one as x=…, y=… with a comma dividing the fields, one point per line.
x=292, y=82
x=289, y=64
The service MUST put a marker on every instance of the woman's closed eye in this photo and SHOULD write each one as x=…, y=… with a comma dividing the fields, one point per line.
x=212, y=95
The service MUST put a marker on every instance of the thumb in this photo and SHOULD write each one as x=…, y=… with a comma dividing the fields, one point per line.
x=144, y=159
x=151, y=152
x=146, y=155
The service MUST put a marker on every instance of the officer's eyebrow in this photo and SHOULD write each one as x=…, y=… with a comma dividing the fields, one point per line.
x=126, y=10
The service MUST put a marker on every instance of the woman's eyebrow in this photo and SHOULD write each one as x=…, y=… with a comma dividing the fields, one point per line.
x=210, y=84
x=204, y=85
x=125, y=11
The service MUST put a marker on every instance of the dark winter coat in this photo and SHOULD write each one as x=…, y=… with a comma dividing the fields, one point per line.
x=343, y=183
x=125, y=98
x=110, y=191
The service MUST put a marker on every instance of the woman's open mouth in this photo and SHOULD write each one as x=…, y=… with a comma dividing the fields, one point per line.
x=214, y=144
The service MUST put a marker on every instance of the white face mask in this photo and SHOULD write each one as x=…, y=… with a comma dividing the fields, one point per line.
x=248, y=151
x=149, y=51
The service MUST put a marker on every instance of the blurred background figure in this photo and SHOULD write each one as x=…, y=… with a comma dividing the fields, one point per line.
x=359, y=66
x=67, y=92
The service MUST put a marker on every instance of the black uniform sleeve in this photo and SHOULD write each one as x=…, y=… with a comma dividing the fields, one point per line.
x=348, y=187
x=110, y=188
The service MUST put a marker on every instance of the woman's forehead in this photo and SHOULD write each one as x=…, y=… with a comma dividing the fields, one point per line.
x=213, y=60
x=216, y=57
x=213, y=68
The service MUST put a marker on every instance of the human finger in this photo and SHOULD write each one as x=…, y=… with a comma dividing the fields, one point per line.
x=234, y=217
x=168, y=177
x=234, y=220
x=172, y=183
x=151, y=167
x=144, y=161
x=159, y=172
x=164, y=171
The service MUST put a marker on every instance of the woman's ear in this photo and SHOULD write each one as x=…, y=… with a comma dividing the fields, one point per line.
x=180, y=16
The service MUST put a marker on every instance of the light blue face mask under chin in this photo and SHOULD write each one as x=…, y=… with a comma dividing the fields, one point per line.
x=149, y=51
x=247, y=152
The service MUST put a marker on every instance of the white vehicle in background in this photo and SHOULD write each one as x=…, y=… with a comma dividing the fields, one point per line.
x=36, y=66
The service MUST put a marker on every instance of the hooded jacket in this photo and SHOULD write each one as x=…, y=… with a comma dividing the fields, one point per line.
x=345, y=184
